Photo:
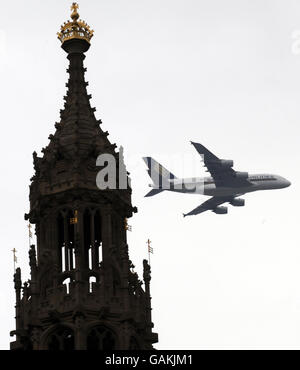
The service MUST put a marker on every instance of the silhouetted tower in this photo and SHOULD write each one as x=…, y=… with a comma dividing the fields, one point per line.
x=82, y=293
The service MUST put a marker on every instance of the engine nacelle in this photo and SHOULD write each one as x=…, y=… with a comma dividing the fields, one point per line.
x=238, y=202
x=220, y=210
x=226, y=163
x=242, y=175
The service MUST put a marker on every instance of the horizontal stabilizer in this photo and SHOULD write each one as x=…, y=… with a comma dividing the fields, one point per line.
x=153, y=192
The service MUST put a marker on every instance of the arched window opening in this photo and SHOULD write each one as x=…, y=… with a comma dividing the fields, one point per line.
x=60, y=235
x=73, y=256
x=71, y=240
x=61, y=340
x=67, y=282
x=66, y=240
x=87, y=236
x=90, y=259
x=92, y=238
x=101, y=339
x=98, y=238
x=92, y=280
x=63, y=258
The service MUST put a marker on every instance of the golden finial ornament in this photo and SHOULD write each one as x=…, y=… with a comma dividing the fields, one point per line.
x=74, y=14
x=75, y=29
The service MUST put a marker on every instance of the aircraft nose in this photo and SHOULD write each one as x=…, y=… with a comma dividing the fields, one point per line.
x=287, y=183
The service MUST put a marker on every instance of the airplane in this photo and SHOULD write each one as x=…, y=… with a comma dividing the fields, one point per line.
x=225, y=185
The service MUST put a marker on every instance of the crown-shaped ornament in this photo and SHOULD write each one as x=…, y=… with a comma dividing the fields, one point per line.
x=75, y=29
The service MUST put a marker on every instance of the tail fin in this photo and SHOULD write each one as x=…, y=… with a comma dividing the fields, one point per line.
x=159, y=174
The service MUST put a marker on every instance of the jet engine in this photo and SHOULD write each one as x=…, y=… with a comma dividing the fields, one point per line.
x=238, y=202
x=242, y=175
x=220, y=210
x=226, y=163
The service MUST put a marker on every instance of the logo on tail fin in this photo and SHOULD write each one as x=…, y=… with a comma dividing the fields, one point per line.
x=160, y=176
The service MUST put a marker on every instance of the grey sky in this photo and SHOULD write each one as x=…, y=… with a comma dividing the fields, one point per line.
x=163, y=73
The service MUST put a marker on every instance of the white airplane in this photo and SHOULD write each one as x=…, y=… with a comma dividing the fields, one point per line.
x=224, y=185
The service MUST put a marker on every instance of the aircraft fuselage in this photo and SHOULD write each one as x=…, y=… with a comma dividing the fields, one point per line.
x=207, y=186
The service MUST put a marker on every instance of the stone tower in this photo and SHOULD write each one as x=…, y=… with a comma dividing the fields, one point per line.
x=82, y=293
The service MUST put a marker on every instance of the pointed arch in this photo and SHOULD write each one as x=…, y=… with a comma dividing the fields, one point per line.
x=66, y=239
x=101, y=338
x=59, y=338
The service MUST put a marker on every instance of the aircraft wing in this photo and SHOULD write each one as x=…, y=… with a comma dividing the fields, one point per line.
x=209, y=205
x=223, y=175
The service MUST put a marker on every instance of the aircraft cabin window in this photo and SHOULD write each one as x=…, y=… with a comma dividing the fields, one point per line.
x=262, y=178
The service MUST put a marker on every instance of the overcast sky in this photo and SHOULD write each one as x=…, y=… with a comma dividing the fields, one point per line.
x=224, y=73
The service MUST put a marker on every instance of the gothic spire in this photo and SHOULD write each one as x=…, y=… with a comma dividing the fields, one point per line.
x=78, y=140
x=82, y=293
